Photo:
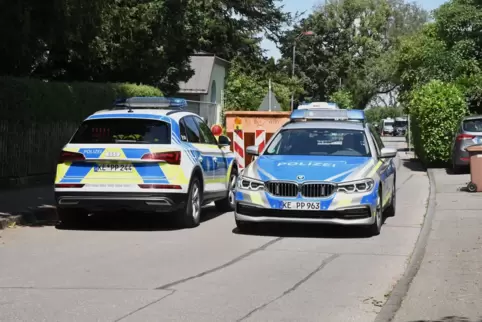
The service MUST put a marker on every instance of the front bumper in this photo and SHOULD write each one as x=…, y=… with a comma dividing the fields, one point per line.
x=339, y=209
x=117, y=201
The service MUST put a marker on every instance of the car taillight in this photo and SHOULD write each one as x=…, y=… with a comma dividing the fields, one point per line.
x=67, y=156
x=461, y=137
x=168, y=157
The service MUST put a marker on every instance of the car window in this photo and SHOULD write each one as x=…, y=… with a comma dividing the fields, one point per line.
x=117, y=131
x=182, y=130
x=192, y=130
x=474, y=125
x=206, y=135
x=377, y=138
x=377, y=147
x=319, y=141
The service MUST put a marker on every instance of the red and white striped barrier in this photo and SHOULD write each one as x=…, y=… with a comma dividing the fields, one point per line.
x=260, y=139
x=238, y=147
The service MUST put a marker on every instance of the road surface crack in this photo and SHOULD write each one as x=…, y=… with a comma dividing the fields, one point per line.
x=215, y=269
x=145, y=306
x=404, y=182
x=325, y=262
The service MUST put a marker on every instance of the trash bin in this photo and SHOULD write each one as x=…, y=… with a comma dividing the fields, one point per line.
x=475, y=157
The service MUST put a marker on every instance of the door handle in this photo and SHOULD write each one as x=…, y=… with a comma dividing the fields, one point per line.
x=215, y=160
x=200, y=159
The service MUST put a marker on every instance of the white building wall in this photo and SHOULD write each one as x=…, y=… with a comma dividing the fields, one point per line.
x=211, y=109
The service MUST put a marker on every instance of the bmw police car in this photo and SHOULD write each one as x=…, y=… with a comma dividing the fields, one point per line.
x=324, y=166
x=145, y=154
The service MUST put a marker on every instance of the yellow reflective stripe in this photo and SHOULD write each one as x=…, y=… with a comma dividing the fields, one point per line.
x=215, y=180
x=375, y=168
x=174, y=174
x=256, y=197
x=387, y=198
x=205, y=146
x=71, y=149
x=345, y=201
x=62, y=170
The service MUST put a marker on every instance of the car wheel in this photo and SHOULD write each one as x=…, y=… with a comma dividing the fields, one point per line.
x=391, y=209
x=190, y=215
x=227, y=204
x=375, y=228
x=72, y=218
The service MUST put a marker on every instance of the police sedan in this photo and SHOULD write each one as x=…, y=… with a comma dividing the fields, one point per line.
x=324, y=166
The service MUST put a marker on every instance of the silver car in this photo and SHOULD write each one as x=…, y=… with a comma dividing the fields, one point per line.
x=469, y=132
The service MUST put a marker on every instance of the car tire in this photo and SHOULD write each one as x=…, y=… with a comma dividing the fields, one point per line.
x=190, y=215
x=391, y=209
x=375, y=228
x=227, y=204
x=245, y=226
x=72, y=218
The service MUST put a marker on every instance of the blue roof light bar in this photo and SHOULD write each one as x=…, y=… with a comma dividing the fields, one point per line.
x=150, y=102
x=328, y=115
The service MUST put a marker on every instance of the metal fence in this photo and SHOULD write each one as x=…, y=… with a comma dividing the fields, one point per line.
x=31, y=149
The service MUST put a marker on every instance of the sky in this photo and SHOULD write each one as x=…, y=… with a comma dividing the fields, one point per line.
x=307, y=5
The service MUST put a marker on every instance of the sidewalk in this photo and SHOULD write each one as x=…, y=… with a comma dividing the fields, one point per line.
x=37, y=201
x=448, y=285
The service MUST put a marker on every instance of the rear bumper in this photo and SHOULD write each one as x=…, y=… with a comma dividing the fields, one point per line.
x=115, y=201
x=461, y=158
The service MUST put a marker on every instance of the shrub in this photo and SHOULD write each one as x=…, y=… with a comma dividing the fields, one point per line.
x=30, y=99
x=435, y=110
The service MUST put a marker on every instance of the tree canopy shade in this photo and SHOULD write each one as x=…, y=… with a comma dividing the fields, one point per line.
x=140, y=41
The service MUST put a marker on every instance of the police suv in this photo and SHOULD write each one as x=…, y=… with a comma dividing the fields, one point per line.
x=326, y=165
x=144, y=154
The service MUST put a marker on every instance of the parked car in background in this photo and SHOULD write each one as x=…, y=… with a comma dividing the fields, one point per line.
x=387, y=126
x=400, y=126
x=469, y=132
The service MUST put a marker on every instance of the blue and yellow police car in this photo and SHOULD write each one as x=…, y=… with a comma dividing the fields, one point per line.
x=144, y=154
x=325, y=166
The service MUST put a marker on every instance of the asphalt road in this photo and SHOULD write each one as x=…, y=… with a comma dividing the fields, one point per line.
x=139, y=269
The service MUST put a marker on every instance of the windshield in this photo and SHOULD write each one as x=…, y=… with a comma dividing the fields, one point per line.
x=388, y=123
x=334, y=142
x=119, y=131
x=474, y=125
x=400, y=123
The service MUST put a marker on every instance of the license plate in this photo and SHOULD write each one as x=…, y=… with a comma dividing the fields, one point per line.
x=113, y=168
x=301, y=205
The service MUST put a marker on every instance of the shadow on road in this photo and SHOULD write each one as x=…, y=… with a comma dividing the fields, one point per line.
x=290, y=230
x=413, y=165
x=449, y=319
x=132, y=221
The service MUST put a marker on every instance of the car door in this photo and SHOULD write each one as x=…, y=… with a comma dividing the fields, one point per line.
x=219, y=166
x=202, y=152
x=386, y=169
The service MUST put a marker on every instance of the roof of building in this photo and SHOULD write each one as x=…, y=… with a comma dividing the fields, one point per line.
x=202, y=63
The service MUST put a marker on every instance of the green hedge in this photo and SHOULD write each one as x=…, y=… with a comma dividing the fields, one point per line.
x=37, y=118
x=436, y=110
x=30, y=99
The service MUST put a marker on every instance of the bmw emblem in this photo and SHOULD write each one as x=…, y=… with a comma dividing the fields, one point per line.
x=300, y=177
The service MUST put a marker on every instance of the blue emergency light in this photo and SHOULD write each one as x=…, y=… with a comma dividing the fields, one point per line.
x=327, y=115
x=150, y=102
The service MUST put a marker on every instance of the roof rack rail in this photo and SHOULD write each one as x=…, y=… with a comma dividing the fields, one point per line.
x=152, y=102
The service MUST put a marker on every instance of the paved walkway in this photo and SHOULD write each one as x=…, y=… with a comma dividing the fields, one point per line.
x=448, y=285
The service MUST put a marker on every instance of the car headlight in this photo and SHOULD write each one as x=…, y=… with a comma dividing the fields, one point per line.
x=364, y=185
x=250, y=184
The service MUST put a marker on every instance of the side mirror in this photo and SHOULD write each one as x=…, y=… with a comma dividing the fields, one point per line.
x=388, y=153
x=223, y=141
x=252, y=149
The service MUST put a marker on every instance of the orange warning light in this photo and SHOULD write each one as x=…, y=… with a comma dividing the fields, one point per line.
x=237, y=121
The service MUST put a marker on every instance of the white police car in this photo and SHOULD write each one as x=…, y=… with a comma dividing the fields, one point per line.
x=145, y=154
x=324, y=166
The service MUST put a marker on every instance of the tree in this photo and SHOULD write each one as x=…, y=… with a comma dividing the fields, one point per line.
x=245, y=90
x=353, y=47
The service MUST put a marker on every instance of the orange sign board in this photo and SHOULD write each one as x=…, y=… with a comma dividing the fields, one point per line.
x=253, y=120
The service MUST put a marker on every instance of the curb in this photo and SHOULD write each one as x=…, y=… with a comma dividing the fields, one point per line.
x=394, y=302
x=37, y=216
